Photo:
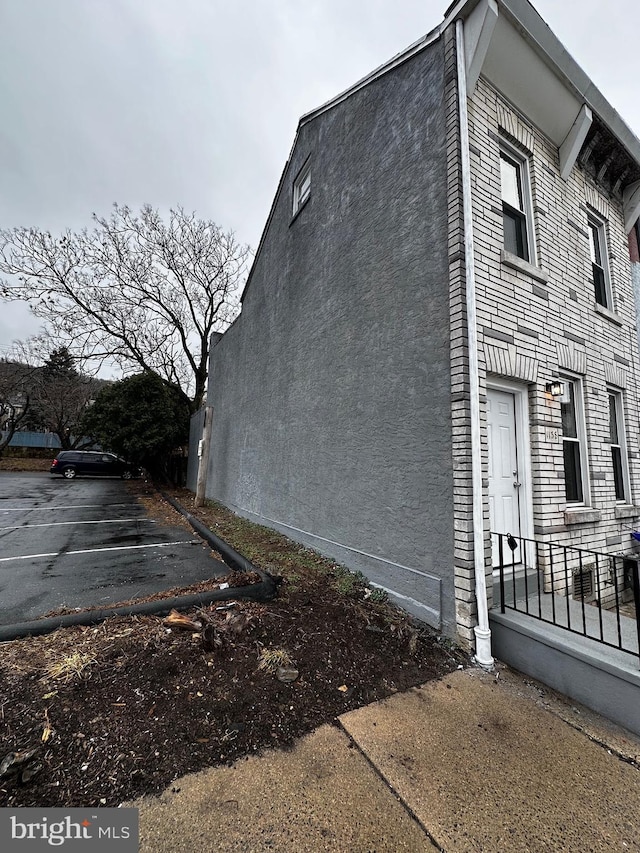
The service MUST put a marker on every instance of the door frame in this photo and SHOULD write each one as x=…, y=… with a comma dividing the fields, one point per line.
x=523, y=448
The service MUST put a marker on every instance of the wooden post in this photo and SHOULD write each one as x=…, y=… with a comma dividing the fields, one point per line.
x=203, y=453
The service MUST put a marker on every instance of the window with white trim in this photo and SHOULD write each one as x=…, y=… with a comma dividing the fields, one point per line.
x=618, y=448
x=599, y=262
x=517, y=221
x=302, y=187
x=574, y=444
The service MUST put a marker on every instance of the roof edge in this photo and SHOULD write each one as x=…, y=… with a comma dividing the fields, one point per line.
x=535, y=30
x=380, y=71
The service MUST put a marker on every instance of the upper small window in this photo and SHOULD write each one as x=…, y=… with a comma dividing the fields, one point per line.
x=516, y=211
x=302, y=187
x=599, y=266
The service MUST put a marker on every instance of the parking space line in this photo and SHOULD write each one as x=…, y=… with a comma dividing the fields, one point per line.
x=102, y=550
x=56, y=506
x=62, y=523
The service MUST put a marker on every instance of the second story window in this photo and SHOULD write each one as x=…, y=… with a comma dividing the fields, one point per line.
x=302, y=187
x=516, y=209
x=599, y=266
x=574, y=443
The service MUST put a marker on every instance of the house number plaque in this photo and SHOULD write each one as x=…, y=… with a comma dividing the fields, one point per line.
x=552, y=434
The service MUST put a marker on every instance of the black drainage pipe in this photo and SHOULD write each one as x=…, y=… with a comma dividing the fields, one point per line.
x=263, y=591
x=232, y=558
x=147, y=608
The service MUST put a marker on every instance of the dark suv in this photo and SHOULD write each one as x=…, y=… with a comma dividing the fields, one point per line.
x=71, y=463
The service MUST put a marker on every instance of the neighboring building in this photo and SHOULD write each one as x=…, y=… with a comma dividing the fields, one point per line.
x=449, y=239
x=27, y=439
x=14, y=396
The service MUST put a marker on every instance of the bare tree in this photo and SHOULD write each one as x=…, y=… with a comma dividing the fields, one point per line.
x=15, y=398
x=136, y=290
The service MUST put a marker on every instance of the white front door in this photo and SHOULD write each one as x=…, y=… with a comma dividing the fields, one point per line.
x=504, y=481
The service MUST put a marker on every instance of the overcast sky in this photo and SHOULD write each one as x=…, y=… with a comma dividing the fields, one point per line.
x=196, y=102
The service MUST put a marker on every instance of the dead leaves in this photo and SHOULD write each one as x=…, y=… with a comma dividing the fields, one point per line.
x=211, y=640
x=21, y=765
x=47, y=731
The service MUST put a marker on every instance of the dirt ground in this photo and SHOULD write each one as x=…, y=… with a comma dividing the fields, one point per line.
x=15, y=463
x=102, y=714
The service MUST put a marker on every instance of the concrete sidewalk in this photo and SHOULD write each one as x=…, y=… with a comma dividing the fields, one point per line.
x=475, y=762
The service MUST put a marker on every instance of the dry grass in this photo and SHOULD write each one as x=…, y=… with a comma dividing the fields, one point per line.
x=15, y=463
x=68, y=650
x=66, y=668
x=272, y=659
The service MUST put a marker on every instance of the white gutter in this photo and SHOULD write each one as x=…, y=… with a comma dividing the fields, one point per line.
x=482, y=632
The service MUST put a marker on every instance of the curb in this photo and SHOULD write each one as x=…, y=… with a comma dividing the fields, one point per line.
x=263, y=591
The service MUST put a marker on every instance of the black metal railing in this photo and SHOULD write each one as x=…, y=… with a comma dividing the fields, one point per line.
x=590, y=593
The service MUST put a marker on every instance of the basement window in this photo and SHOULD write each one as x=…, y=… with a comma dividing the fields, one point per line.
x=583, y=584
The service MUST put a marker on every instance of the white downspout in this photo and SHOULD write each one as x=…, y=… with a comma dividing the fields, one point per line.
x=482, y=632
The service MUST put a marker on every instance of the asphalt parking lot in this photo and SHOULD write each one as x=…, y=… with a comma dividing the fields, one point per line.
x=86, y=542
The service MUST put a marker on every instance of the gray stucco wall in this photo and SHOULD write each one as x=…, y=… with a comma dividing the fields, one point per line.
x=331, y=392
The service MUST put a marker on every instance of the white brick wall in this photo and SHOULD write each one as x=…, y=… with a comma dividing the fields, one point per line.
x=466, y=611
x=530, y=328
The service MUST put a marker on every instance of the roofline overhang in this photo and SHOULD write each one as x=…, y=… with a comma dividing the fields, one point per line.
x=539, y=36
x=533, y=29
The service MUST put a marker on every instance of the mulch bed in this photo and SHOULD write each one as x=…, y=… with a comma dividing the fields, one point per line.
x=94, y=716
